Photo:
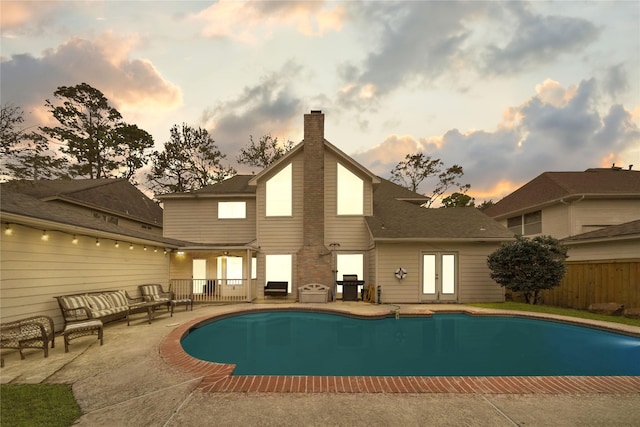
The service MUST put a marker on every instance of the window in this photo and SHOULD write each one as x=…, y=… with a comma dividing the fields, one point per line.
x=350, y=192
x=228, y=210
x=279, y=193
x=526, y=224
x=350, y=264
x=229, y=269
x=278, y=269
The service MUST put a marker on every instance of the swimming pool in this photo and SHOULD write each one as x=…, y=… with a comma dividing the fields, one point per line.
x=306, y=343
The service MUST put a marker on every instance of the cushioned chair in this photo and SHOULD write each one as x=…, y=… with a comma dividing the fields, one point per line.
x=155, y=293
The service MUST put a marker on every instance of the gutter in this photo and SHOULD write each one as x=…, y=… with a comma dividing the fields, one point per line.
x=49, y=225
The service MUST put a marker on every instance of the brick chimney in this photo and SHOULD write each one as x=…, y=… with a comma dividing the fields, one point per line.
x=314, y=259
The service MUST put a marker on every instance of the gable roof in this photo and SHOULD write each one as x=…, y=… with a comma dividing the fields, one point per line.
x=327, y=145
x=553, y=187
x=237, y=185
x=628, y=230
x=23, y=208
x=117, y=196
x=395, y=218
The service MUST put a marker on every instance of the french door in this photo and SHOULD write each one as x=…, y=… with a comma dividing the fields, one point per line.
x=439, y=277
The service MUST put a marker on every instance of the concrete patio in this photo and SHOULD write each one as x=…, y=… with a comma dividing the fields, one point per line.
x=126, y=382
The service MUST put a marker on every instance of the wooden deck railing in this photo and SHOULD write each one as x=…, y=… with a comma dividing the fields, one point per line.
x=212, y=290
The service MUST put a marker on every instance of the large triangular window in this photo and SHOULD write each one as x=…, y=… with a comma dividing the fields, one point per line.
x=279, y=193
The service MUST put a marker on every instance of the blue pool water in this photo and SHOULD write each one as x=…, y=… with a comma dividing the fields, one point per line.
x=306, y=343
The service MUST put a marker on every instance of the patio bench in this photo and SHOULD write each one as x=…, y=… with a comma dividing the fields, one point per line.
x=105, y=306
x=276, y=289
x=313, y=292
x=30, y=332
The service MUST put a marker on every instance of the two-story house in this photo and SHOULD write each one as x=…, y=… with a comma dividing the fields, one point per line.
x=596, y=214
x=316, y=215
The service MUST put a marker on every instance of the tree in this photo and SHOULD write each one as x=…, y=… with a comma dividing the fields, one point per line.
x=26, y=155
x=35, y=160
x=190, y=160
x=94, y=134
x=416, y=168
x=263, y=153
x=458, y=200
x=485, y=205
x=11, y=117
x=529, y=265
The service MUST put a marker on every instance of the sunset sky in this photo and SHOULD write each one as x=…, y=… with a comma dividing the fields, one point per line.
x=508, y=90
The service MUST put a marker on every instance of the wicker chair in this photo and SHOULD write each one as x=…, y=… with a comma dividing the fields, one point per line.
x=31, y=332
x=154, y=292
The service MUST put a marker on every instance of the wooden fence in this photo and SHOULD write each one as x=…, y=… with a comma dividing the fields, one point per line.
x=588, y=282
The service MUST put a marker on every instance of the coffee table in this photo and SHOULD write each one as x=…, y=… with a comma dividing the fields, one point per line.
x=141, y=307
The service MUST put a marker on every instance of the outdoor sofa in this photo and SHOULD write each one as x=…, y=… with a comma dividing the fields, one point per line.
x=105, y=306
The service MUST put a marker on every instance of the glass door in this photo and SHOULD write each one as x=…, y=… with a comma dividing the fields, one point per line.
x=439, y=277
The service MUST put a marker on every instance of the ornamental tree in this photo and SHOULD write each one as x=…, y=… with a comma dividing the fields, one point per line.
x=529, y=265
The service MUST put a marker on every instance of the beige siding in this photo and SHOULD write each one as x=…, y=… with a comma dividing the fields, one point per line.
x=34, y=271
x=556, y=221
x=281, y=234
x=196, y=220
x=594, y=214
x=350, y=231
x=474, y=282
x=622, y=249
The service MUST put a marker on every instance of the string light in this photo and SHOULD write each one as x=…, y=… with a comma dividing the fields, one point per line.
x=45, y=236
x=97, y=242
x=145, y=248
x=155, y=250
x=8, y=230
x=117, y=245
x=74, y=240
x=130, y=246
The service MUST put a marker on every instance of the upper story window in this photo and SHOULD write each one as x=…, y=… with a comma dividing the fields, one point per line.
x=279, y=193
x=526, y=224
x=350, y=192
x=231, y=210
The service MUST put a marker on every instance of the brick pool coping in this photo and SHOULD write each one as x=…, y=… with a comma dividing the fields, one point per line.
x=217, y=377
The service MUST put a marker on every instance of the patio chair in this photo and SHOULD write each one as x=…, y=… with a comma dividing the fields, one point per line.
x=155, y=293
x=31, y=332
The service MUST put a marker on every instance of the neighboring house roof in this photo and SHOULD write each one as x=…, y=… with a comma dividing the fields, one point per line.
x=117, y=196
x=395, y=218
x=23, y=208
x=628, y=230
x=553, y=187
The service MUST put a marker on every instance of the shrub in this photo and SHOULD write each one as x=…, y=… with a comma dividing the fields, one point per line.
x=529, y=265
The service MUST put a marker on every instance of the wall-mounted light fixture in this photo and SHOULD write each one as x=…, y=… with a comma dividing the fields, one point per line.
x=45, y=236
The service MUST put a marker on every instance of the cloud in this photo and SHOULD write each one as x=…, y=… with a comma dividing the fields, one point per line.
x=268, y=107
x=557, y=129
x=537, y=39
x=104, y=63
x=616, y=81
x=20, y=17
x=411, y=42
x=253, y=21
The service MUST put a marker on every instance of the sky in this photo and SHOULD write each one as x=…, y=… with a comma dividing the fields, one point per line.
x=508, y=90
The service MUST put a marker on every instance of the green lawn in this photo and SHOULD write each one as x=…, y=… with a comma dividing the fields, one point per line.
x=583, y=314
x=33, y=405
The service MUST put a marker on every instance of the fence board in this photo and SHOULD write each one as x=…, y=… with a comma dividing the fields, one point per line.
x=587, y=283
